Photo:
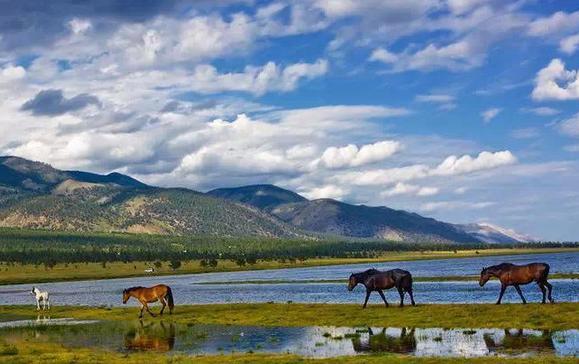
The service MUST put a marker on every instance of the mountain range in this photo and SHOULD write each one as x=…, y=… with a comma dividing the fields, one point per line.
x=36, y=195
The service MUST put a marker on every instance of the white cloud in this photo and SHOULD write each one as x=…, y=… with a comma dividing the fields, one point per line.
x=542, y=111
x=256, y=80
x=352, y=156
x=453, y=165
x=435, y=98
x=570, y=126
x=445, y=205
x=10, y=73
x=79, y=26
x=409, y=189
x=557, y=23
x=569, y=44
x=490, y=114
x=554, y=82
x=572, y=148
x=327, y=191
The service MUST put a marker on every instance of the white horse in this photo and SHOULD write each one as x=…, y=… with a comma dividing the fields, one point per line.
x=41, y=296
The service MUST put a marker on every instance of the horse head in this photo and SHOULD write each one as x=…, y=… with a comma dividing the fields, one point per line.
x=126, y=296
x=352, y=282
x=485, y=275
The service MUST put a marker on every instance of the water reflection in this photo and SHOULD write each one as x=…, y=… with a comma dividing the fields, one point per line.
x=521, y=341
x=156, y=336
x=383, y=342
x=314, y=341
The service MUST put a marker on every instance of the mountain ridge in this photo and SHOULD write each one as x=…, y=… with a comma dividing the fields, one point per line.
x=36, y=195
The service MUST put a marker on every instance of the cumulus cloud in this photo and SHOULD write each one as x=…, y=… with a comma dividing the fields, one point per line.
x=453, y=165
x=52, y=102
x=352, y=156
x=490, y=114
x=409, y=189
x=557, y=23
x=327, y=191
x=450, y=166
x=569, y=44
x=554, y=82
x=11, y=73
x=256, y=80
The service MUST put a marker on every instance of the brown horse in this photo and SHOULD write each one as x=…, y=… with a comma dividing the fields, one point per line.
x=144, y=295
x=515, y=275
x=375, y=280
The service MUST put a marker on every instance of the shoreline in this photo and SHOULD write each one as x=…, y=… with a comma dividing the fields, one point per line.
x=28, y=274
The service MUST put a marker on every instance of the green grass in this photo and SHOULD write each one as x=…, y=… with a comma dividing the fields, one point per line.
x=30, y=273
x=558, y=316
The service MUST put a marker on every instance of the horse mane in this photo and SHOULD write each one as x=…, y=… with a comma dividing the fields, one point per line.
x=365, y=274
x=493, y=268
x=133, y=288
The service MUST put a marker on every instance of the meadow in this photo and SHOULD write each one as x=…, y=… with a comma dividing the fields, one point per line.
x=45, y=256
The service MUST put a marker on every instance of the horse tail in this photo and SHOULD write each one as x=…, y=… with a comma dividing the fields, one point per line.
x=170, y=299
x=546, y=271
x=408, y=287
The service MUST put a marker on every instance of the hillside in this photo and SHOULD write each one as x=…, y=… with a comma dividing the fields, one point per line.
x=338, y=218
x=35, y=195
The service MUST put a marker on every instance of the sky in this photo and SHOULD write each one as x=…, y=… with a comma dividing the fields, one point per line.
x=462, y=110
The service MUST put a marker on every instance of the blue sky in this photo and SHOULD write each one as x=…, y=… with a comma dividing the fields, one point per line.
x=463, y=110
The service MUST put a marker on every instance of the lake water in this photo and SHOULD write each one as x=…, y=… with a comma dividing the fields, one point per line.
x=197, y=288
x=313, y=341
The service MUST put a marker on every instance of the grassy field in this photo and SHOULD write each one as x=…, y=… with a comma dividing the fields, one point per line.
x=29, y=273
x=533, y=316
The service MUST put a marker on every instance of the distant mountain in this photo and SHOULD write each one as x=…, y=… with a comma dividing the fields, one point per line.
x=494, y=234
x=338, y=218
x=265, y=197
x=36, y=195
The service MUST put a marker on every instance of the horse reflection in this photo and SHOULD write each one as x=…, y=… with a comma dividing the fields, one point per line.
x=519, y=341
x=384, y=343
x=152, y=337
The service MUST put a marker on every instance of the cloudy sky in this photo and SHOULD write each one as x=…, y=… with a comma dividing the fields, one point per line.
x=463, y=110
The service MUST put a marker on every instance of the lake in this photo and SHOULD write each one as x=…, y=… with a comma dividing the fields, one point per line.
x=197, y=288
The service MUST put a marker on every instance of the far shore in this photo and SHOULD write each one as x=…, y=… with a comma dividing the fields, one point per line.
x=28, y=273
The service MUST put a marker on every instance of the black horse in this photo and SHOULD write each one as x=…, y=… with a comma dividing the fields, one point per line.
x=375, y=280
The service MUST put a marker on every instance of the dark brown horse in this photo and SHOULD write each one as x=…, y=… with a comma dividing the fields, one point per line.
x=375, y=280
x=144, y=295
x=515, y=275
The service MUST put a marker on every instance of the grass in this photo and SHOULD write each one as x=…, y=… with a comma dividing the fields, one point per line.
x=560, y=316
x=29, y=273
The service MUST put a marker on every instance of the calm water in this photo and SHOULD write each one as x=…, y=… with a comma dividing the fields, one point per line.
x=188, y=290
x=312, y=341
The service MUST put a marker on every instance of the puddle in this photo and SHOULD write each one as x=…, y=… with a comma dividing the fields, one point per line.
x=45, y=321
x=317, y=342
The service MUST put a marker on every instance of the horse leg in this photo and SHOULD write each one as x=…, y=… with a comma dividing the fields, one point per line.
x=503, y=288
x=149, y=311
x=520, y=294
x=367, y=297
x=48, y=303
x=142, y=308
x=550, y=288
x=383, y=297
x=37, y=304
x=543, y=290
x=164, y=304
x=411, y=296
x=401, y=293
